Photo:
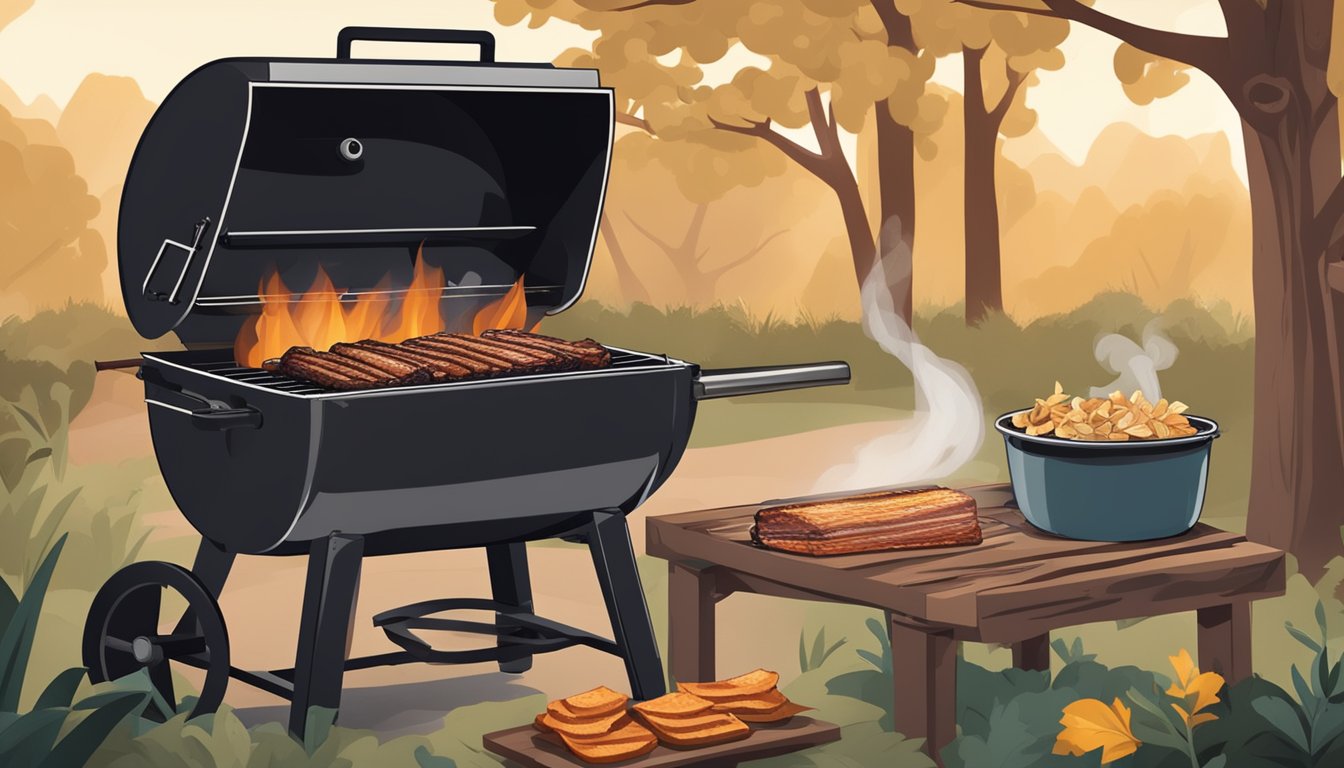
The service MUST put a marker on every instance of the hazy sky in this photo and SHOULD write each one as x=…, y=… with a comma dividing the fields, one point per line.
x=56, y=43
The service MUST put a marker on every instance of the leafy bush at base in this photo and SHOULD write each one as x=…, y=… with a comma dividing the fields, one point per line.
x=1015, y=718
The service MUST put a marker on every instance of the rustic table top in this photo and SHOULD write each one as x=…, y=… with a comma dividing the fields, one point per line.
x=1017, y=583
x=533, y=749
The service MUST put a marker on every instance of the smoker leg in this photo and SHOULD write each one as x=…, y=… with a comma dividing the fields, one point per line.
x=510, y=584
x=211, y=567
x=614, y=558
x=326, y=627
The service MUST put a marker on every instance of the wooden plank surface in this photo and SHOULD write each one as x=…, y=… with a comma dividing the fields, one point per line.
x=1019, y=582
x=533, y=749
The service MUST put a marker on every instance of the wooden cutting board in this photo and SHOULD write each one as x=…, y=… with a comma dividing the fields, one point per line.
x=531, y=748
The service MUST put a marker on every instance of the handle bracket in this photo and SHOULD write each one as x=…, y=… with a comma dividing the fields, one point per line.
x=478, y=37
x=209, y=415
x=161, y=292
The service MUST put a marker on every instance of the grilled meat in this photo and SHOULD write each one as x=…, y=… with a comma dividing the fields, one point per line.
x=411, y=373
x=901, y=519
x=514, y=357
x=442, y=368
x=328, y=370
x=438, y=357
x=588, y=351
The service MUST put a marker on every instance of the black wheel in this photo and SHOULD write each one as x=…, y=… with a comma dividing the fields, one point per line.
x=123, y=635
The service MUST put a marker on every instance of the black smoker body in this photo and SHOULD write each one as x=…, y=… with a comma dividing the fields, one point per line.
x=361, y=168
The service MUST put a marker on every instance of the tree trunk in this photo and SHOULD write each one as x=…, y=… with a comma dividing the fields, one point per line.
x=896, y=185
x=1297, y=477
x=860, y=236
x=631, y=288
x=984, y=289
x=1291, y=135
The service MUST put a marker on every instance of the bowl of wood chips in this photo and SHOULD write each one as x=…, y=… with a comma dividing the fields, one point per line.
x=1115, y=468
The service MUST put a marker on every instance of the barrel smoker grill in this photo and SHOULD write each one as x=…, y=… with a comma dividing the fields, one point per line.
x=488, y=171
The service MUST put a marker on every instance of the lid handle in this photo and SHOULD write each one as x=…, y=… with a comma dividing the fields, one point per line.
x=409, y=35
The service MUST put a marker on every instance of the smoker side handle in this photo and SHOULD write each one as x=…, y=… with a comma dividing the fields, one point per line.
x=211, y=415
x=730, y=382
x=405, y=35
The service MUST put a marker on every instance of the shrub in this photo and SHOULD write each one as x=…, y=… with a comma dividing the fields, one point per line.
x=36, y=738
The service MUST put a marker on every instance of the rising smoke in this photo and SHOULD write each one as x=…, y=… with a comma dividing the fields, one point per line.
x=1135, y=366
x=948, y=425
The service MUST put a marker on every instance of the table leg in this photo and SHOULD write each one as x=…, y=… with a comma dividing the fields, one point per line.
x=690, y=623
x=924, y=671
x=1033, y=653
x=1225, y=640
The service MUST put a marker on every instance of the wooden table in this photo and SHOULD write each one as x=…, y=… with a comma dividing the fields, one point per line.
x=531, y=748
x=1013, y=588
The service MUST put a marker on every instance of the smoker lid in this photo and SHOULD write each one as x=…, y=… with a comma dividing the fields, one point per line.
x=491, y=171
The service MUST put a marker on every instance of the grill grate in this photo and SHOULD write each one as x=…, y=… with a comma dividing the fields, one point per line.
x=256, y=377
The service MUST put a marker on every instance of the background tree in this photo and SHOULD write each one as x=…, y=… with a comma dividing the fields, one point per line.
x=1001, y=53
x=1275, y=67
x=829, y=65
x=699, y=267
x=48, y=252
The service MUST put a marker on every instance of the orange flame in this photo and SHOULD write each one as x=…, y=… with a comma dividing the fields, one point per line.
x=507, y=312
x=318, y=318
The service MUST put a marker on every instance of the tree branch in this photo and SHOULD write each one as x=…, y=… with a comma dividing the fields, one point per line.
x=658, y=241
x=899, y=30
x=625, y=118
x=694, y=229
x=823, y=124
x=1209, y=54
x=1015, y=80
x=740, y=260
x=648, y=3
x=812, y=162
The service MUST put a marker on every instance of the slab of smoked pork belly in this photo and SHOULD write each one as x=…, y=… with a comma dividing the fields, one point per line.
x=904, y=519
x=519, y=360
x=478, y=364
x=408, y=373
x=444, y=368
x=553, y=359
x=593, y=354
x=331, y=371
x=389, y=352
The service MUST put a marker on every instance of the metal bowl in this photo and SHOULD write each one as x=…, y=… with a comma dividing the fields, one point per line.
x=1112, y=491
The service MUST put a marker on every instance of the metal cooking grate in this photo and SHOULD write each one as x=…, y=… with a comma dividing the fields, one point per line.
x=228, y=369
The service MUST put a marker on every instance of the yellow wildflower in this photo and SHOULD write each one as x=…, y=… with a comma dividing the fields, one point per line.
x=1199, y=689
x=1089, y=724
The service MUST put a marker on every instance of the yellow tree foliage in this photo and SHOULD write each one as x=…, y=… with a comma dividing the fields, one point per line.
x=778, y=67
x=1146, y=77
x=48, y=252
x=13, y=9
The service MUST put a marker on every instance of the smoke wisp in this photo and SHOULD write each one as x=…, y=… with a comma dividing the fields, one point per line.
x=947, y=427
x=1135, y=366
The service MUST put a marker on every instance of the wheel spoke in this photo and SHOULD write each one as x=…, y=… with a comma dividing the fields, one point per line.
x=161, y=675
x=123, y=635
x=117, y=644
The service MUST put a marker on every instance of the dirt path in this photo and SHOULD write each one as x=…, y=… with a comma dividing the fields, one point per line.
x=262, y=598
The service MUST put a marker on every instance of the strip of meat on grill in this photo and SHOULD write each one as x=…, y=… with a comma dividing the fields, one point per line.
x=438, y=357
